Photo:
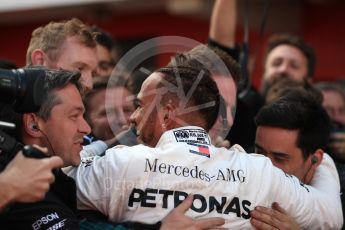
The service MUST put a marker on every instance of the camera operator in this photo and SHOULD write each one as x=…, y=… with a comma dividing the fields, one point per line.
x=22, y=179
x=26, y=179
x=59, y=126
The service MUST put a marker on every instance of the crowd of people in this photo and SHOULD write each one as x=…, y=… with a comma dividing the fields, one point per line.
x=185, y=147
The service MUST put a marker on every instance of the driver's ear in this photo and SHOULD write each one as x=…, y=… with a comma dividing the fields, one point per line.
x=169, y=116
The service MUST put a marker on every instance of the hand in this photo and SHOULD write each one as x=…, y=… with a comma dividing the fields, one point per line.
x=272, y=218
x=177, y=219
x=27, y=179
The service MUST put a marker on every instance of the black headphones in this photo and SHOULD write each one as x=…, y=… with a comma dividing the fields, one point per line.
x=36, y=128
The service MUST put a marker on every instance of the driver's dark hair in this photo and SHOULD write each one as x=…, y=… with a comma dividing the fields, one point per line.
x=197, y=87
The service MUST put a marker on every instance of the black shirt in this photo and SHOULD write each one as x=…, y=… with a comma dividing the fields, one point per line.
x=56, y=211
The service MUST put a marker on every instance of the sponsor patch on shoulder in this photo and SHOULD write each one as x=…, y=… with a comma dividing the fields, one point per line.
x=197, y=136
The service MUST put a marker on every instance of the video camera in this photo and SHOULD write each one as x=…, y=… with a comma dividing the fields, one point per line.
x=21, y=90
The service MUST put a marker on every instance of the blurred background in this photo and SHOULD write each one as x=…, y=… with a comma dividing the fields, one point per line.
x=320, y=22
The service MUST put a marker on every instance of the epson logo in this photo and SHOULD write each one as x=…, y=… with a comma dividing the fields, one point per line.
x=45, y=220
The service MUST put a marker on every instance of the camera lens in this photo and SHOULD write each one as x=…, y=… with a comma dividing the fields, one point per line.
x=22, y=89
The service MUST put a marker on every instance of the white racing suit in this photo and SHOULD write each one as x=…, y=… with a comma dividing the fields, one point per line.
x=144, y=184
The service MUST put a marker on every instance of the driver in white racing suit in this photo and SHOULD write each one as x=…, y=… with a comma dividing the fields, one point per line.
x=142, y=183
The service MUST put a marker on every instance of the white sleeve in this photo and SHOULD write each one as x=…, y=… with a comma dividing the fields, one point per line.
x=95, y=148
x=101, y=181
x=313, y=207
x=91, y=182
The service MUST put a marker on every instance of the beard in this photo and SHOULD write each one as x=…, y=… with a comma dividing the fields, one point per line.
x=147, y=132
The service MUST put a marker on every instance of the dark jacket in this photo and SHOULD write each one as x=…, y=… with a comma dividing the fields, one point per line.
x=56, y=211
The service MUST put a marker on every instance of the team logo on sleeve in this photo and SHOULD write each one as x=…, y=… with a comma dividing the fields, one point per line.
x=87, y=161
x=199, y=149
